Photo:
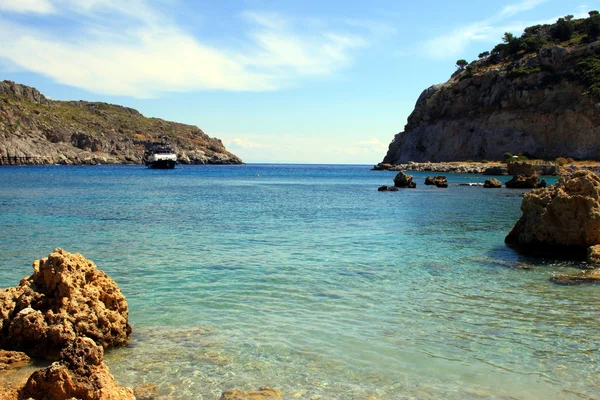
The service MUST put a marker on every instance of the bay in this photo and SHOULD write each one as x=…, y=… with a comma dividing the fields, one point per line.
x=307, y=279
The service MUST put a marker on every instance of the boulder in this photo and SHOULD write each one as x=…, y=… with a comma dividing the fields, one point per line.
x=264, y=393
x=385, y=188
x=439, y=181
x=404, y=180
x=525, y=176
x=79, y=373
x=563, y=219
x=492, y=183
x=66, y=297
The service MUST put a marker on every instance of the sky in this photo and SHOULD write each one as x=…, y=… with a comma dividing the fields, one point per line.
x=286, y=81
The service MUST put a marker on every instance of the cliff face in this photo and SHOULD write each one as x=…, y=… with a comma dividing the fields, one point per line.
x=536, y=104
x=80, y=132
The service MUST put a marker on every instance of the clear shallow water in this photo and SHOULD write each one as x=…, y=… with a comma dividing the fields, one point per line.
x=307, y=279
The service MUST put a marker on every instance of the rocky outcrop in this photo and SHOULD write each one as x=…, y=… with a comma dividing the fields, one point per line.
x=264, y=393
x=79, y=373
x=533, y=103
x=66, y=297
x=403, y=180
x=563, y=219
x=438, y=181
x=80, y=132
x=492, y=183
x=525, y=176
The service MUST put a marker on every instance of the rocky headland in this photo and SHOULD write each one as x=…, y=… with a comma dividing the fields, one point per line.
x=536, y=94
x=37, y=130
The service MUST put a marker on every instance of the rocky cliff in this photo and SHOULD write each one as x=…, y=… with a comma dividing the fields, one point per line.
x=536, y=94
x=80, y=132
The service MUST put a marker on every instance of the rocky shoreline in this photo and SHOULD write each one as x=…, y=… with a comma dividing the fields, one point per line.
x=460, y=167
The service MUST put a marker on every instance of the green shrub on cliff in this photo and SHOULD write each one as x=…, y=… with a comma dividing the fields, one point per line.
x=588, y=72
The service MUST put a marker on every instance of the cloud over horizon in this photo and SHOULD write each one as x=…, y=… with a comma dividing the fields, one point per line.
x=490, y=30
x=131, y=49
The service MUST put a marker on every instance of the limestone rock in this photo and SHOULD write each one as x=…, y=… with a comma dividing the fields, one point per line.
x=385, y=188
x=66, y=297
x=404, y=180
x=492, y=183
x=264, y=393
x=79, y=373
x=564, y=217
x=12, y=359
x=593, y=255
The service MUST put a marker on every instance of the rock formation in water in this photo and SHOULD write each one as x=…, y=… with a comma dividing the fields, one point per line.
x=81, y=132
x=535, y=94
x=563, y=219
x=492, y=183
x=403, y=180
x=66, y=297
x=79, y=373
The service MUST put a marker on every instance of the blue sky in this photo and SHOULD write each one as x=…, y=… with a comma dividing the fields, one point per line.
x=305, y=81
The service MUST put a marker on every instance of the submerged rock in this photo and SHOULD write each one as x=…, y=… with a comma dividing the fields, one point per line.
x=563, y=219
x=79, y=373
x=385, y=188
x=492, y=183
x=65, y=298
x=589, y=276
x=264, y=393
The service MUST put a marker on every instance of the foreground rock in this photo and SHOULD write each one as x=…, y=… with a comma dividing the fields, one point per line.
x=80, y=373
x=492, y=183
x=264, y=393
x=563, y=219
x=13, y=359
x=403, y=180
x=65, y=298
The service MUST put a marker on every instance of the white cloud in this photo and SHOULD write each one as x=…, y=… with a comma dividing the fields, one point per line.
x=244, y=143
x=298, y=148
x=27, y=6
x=129, y=48
x=453, y=44
x=515, y=8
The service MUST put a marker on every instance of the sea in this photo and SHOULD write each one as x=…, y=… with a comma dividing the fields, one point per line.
x=307, y=279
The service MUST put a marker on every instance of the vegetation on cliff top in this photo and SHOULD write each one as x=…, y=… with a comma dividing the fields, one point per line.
x=566, y=32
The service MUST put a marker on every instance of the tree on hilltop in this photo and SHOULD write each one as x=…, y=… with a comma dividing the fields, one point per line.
x=461, y=64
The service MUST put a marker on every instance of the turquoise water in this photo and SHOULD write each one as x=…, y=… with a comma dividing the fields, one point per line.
x=307, y=279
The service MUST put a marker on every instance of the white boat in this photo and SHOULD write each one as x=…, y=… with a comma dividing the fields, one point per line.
x=160, y=156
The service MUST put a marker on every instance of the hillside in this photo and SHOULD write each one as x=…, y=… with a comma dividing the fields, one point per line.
x=536, y=94
x=80, y=132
